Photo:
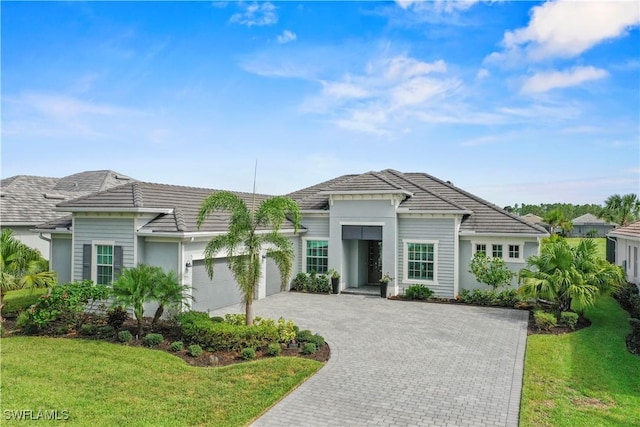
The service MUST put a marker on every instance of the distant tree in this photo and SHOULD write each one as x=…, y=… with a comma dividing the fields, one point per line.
x=554, y=218
x=621, y=210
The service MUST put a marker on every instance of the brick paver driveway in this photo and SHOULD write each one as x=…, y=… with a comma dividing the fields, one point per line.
x=397, y=363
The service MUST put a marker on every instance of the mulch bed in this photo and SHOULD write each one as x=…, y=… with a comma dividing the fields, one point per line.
x=169, y=332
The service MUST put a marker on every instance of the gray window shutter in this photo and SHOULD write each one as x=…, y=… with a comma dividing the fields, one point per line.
x=86, y=262
x=117, y=261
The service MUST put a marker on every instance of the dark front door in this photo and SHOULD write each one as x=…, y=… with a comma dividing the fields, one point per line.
x=375, y=261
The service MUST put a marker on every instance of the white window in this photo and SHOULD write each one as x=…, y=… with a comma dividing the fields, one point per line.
x=104, y=264
x=316, y=256
x=420, y=261
x=481, y=247
x=514, y=251
x=496, y=251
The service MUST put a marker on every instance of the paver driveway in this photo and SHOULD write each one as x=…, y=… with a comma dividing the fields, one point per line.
x=397, y=363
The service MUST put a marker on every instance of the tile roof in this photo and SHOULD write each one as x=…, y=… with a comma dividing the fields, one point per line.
x=589, y=219
x=30, y=200
x=177, y=206
x=631, y=230
x=427, y=194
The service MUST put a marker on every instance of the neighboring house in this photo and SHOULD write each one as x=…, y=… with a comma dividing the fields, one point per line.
x=627, y=246
x=533, y=219
x=416, y=228
x=26, y=201
x=589, y=225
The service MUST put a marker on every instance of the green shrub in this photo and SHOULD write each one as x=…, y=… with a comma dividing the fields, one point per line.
x=504, y=298
x=248, y=353
x=106, y=332
x=16, y=301
x=217, y=319
x=25, y=323
x=61, y=330
x=418, y=292
x=314, y=283
x=125, y=336
x=544, y=321
x=274, y=349
x=301, y=282
x=317, y=340
x=89, y=329
x=116, y=317
x=309, y=348
x=194, y=350
x=633, y=339
x=507, y=298
x=569, y=318
x=152, y=340
x=239, y=319
x=286, y=330
x=228, y=337
x=304, y=336
x=176, y=346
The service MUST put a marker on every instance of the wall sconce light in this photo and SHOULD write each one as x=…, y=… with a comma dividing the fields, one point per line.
x=188, y=264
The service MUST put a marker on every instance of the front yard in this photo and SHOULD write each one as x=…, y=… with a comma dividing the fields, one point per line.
x=583, y=378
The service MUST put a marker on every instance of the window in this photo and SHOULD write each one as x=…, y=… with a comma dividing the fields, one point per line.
x=420, y=261
x=317, y=256
x=481, y=247
x=104, y=264
x=496, y=251
x=514, y=251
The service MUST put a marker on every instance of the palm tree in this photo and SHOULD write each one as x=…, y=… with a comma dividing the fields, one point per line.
x=621, y=210
x=251, y=232
x=134, y=287
x=570, y=277
x=555, y=219
x=168, y=292
x=21, y=267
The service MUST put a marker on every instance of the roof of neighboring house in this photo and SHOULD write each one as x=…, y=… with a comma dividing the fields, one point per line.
x=423, y=193
x=30, y=200
x=589, y=219
x=632, y=230
x=176, y=206
x=532, y=218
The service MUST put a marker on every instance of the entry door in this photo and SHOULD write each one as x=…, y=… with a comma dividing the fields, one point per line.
x=375, y=261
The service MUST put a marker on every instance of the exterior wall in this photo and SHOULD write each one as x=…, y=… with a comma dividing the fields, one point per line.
x=31, y=239
x=106, y=228
x=363, y=211
x=468, y=280
x=626, y=249
x=581, y=230
x=317, y=226
x=162, y=254
x=432, y=229
x=60, y=261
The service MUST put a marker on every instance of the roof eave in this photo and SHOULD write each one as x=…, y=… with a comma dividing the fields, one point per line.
x=433, y=211
x=363, y=192
x=204, y=234
x=117, y=210
x=474, y=233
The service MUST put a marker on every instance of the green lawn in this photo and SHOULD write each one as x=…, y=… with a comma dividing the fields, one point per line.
x=600, y=241
x=19, y=300
x=586, y=378
x=105, y=384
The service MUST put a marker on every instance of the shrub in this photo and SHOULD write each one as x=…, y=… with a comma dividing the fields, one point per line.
x=274, y=350
x=318, y=340
x=544, y=321
x=309, y=348
x=491, y=271
x=88, y=330
x=106, y=332
x=152, y=340
x=314, y=283
x=194, y=350
x=116, y=317
x=507, y=298
x=286, y=330
x=217, y=319
x=125, y=336
x=418, y=292
x=633, y=339
x=301, y=282
x=569, y=318
x=248, y=353
x=176, y=346
x=239, y=319
x=304, y=336
x=228, y=337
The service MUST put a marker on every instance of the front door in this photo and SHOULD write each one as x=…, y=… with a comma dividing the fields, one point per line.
x=374, y=261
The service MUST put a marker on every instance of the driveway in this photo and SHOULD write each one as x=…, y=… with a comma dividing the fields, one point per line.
x=396, y=363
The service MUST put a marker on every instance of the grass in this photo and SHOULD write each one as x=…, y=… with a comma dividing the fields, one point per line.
x=583, y=378
x=105, y=384
x=14, y=301
x=600, y=241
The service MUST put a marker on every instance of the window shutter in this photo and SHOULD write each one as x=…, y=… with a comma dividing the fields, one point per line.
x=117, y=261
x=86, y=262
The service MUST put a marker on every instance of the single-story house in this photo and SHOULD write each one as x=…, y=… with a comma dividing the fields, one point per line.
x=627, y=246
x=413, y=226
x=589, y=225
x=26, y=201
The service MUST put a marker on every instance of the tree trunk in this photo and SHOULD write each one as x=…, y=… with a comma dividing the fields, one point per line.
x=249, y=312
x=157, y=315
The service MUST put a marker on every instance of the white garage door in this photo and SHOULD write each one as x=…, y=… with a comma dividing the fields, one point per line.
x=211, y=295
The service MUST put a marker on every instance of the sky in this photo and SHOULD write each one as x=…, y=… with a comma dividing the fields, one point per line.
x=516, y=102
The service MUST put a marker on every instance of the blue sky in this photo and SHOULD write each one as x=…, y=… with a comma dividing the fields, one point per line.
x=533, y=102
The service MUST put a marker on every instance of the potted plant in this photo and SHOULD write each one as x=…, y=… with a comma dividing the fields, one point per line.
x=335, y=280
x=384, y=282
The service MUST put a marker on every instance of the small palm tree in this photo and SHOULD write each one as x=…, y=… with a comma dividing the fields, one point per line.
x=21, y=267
x=251, y=232
x=134, y=287
x=168, y=292
x=621, y=210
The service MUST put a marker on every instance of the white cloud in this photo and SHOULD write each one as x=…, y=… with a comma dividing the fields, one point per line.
x=258, y=14
x=566, y=28
x=447, y=6
x=344, y=89
x=286, y=37
x=544, y=82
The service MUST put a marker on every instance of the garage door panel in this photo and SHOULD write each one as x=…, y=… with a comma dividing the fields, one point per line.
x=273, y=277
x=211, y=295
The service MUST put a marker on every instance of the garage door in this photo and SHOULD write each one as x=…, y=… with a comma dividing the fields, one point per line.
x=273, y=277
x=211, y=295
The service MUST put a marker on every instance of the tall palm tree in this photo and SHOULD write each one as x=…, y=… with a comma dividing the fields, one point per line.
x=251, y=232
x=621, y=210
x=21, y=266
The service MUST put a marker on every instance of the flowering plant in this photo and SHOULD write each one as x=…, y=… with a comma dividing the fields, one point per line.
x=386, y=278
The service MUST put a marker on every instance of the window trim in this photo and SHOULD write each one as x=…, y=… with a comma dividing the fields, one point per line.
x=505, y=248
x=94, y=258
x=405, y=261
x=520, y=250
x=304, y=251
